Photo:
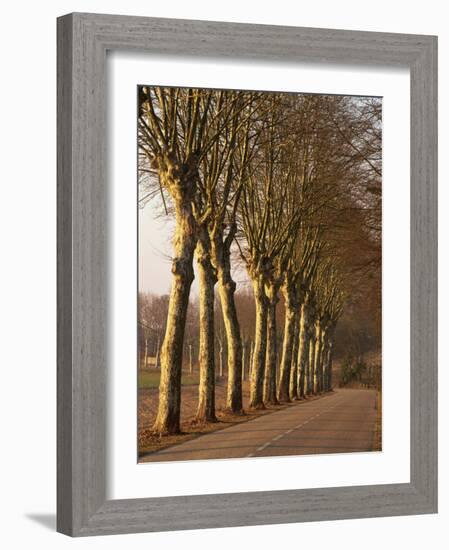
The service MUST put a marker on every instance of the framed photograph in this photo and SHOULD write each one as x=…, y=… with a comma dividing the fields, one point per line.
x=247, y=280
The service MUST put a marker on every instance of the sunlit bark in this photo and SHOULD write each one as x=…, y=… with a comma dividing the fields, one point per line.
x=293, y=388
x=328, y=358
x=168, y=415
x=207, y=280
x=226, y=289
x=303, y=351
x=260, y=346
x=316, y=360
x=269, y=387
x=311, y=363
x=290, y=326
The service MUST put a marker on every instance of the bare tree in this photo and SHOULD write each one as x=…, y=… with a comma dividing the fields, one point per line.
x=291, y=181
x=300, y=270
x=269, y=218
x=222, y=172
x=176, y=131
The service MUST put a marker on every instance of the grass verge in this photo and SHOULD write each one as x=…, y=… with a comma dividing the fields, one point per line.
x=149, y=379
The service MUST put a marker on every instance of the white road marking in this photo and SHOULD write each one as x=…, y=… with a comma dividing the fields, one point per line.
x=279, y=436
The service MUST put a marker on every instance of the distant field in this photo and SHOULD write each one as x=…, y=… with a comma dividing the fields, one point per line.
x=149, y=378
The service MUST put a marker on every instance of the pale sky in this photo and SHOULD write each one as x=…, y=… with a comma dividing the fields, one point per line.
x=155, y=252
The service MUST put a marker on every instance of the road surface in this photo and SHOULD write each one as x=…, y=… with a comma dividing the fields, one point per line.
x=340, y=422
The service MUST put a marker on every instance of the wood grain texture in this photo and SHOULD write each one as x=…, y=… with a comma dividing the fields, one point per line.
x=83, y=40
x=64, y=276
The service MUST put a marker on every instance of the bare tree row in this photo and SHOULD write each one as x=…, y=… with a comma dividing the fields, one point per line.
x=279, y=184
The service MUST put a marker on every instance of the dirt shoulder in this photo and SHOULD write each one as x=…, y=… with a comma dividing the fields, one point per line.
x=377, y=439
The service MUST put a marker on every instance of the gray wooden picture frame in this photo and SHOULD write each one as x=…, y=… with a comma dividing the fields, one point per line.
x=83, y=40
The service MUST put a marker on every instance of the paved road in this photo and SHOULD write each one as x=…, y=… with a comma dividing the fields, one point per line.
x=340, y=422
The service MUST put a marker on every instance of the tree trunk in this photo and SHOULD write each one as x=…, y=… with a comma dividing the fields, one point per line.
x=157, y=350
x=316, y=361
x=269, y=386
x=293, y=391
x=145, y=357
x=190, y=359
x=226, y=288
x=207, y=280
x=311, y=364
x=287, y=348
x=303, y=351
x=220, y=372
x=323, y=353
x=169, y=407
x=324, y=360
x=329, y=360
x=250, y=366
x=260, y=347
